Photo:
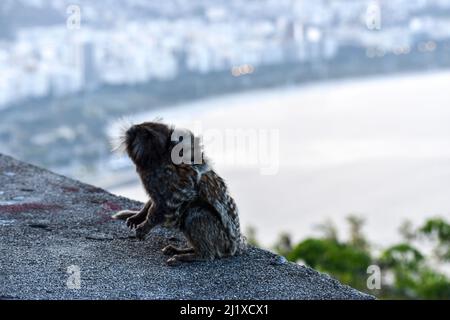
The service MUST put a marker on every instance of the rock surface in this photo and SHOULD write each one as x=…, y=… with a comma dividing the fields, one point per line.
x=51, y=226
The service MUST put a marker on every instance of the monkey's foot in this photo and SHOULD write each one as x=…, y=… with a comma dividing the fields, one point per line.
x=172, y=262
x=185, y=257
x=171, y=250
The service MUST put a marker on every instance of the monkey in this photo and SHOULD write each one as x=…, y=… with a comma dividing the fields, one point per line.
x=185, y=195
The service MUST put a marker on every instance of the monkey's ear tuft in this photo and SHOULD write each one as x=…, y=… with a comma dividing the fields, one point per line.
x=118, y=144
x=118, y=137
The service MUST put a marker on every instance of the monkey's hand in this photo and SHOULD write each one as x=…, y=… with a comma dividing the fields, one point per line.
x=134, y=218
x=134, y=221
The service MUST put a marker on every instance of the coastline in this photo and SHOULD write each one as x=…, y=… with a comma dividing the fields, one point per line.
x=365, y=146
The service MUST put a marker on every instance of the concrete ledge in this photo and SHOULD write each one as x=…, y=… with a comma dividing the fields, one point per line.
x=49, y=222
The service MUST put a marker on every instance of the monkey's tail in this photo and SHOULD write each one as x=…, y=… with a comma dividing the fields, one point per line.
x=123, y=215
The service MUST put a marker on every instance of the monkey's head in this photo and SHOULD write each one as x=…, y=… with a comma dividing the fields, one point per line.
x=148, y=142
x=152, y=143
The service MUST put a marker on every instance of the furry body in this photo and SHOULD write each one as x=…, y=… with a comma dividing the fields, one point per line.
x=188, y=197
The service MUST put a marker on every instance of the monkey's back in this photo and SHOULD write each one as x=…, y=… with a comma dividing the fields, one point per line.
x=213, y=190
x=184, y=189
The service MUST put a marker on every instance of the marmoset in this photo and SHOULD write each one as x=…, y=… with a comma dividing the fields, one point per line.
x=189, y=196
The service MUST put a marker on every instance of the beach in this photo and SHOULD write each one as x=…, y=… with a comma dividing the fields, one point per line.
x=376, y=147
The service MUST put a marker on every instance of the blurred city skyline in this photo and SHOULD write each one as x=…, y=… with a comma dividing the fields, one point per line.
x=55, y=48
x=85, y=64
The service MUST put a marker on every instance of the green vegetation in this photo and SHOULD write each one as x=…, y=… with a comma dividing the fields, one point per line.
x=412, y=269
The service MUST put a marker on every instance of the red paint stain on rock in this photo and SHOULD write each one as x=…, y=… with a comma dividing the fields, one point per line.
x=94, y=189
x=24, y=207
x=103, y=217
x=111, y=206
x=70, y=189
